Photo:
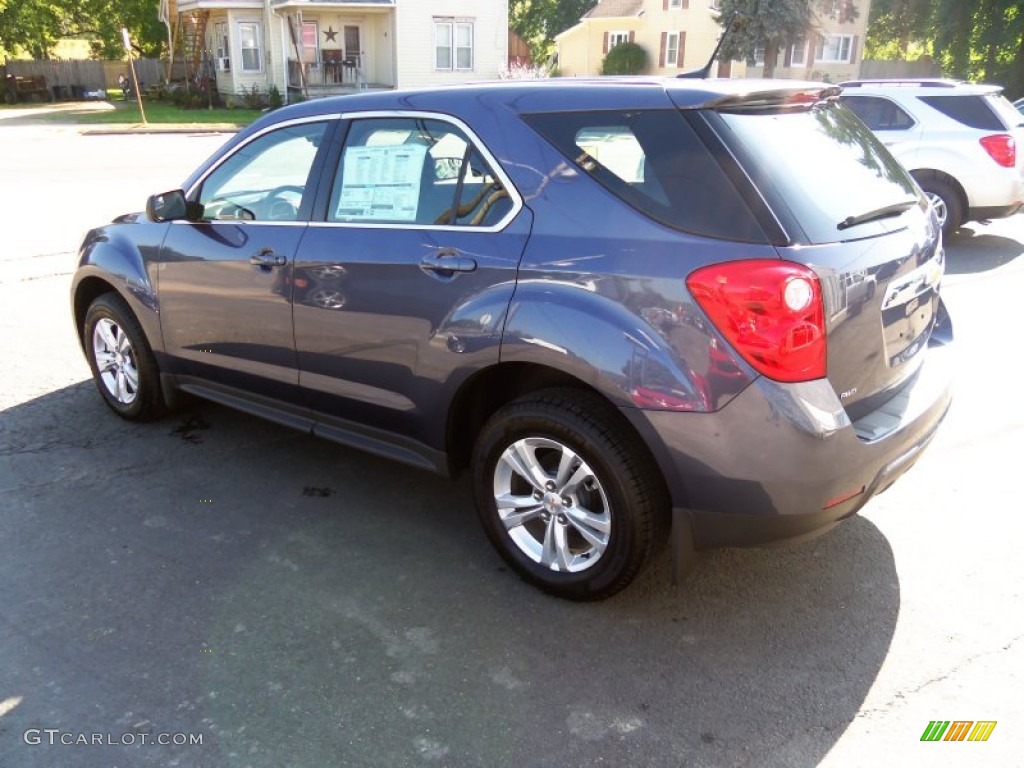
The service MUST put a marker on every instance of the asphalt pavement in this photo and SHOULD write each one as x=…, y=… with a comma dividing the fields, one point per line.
x=289, y=602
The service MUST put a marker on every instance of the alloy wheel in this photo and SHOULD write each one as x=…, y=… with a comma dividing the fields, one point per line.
x=552, y=504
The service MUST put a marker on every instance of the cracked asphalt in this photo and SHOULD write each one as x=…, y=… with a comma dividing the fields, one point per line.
x=296, y=603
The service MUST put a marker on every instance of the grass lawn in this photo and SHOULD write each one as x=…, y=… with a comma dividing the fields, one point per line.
x=157, y=113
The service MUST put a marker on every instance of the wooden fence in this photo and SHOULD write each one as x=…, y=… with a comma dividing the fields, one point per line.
x=69, y=76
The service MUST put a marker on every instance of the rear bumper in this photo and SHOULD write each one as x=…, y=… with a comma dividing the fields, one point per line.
x=783, y=461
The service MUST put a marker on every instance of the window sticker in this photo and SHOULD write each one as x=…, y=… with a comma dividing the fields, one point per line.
x=381, y=183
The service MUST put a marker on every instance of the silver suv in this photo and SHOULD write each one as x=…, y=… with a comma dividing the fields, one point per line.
x=958, y=140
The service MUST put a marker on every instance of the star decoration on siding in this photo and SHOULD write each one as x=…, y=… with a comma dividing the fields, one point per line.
x=330, y=34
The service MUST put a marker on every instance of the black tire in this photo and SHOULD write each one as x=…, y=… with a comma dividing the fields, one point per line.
x=612, y=480
x=140, y=398
x=945, y=195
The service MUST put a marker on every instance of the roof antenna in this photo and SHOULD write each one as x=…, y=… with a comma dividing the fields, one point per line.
x=705, y=72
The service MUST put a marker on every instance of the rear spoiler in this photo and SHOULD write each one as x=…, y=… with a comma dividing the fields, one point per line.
x=798, y=95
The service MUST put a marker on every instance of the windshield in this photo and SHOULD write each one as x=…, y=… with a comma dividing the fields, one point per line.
x=827, y=168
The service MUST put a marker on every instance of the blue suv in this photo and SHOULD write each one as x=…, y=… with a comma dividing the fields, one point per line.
x=635, y=310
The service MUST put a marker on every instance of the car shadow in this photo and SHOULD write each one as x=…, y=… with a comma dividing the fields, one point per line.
x=300, y=603
x=968, y=252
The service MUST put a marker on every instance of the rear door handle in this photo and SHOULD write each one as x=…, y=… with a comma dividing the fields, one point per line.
x=447, y=262
x=268, y=258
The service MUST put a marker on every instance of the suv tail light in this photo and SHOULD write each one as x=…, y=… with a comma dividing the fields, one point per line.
x=771, y=312
x=1002, y=148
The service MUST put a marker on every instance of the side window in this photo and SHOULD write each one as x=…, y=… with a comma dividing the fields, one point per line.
x=266, y=179
x=414, y=171
x=971, y=111
x=879, y=114
x=654, y=161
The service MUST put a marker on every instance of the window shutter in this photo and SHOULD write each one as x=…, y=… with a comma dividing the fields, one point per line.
x=664, y=49
x=686, y=4
x=682, y=48
x=605, y=48
x=664, y=6
x=853, y=49
x=631, y=35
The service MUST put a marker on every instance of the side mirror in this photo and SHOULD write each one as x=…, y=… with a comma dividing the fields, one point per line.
x=167, y=206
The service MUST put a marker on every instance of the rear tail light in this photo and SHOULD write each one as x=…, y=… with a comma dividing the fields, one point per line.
x=771, y=312
x=1002, y=148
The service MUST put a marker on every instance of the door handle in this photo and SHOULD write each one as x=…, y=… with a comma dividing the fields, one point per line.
x=447, y=262
x=267, y=258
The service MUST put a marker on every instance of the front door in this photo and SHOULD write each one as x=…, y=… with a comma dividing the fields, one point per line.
x=225, y=281
x=401, y=292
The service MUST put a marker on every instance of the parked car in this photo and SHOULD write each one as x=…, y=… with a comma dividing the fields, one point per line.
x=958, y=140
x=623, y=306
x=1019, y=104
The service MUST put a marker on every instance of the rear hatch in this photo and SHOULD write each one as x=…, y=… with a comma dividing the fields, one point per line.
x=848, y=211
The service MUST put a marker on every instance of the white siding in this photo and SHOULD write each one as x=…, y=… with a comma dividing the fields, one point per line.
x=415, y=40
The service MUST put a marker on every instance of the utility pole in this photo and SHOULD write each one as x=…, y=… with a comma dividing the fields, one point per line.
x=131, y=65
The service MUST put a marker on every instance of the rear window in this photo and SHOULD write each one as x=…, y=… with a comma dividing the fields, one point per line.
x=655, y=162
x=972, y=111
x=822, y=164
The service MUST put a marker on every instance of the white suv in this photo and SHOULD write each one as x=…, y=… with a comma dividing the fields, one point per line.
x=958, y=140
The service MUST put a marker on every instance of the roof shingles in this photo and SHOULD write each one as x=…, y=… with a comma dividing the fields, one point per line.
x=613, y=9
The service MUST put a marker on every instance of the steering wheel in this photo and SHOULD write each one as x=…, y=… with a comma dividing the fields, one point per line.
x=278, y=205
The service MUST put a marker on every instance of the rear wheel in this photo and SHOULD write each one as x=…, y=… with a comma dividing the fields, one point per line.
x=567, y=494
x=121, y=360
x=946, y=201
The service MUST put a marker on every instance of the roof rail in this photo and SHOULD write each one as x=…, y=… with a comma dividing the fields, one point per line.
x=924, y=82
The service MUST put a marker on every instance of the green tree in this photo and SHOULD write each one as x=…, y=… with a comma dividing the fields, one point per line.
x=538, y=21
x=34, y=26
x=895, y=24
x=767, y=24
x=139, y=17
x=624, y=59
x=980, y=40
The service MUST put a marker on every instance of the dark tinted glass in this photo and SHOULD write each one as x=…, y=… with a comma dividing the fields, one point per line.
x=823, y=163
x=655, y=162
x=971, y=111
x=879, y=114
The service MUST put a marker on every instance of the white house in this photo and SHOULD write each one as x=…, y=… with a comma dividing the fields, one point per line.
x=323, y=47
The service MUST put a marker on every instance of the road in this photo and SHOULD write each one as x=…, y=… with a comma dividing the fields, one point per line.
x=295, y=603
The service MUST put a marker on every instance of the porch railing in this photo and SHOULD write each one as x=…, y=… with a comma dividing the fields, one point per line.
x=328, y=71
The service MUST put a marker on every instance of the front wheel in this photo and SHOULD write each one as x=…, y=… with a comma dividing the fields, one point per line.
x=568, y=495
x=121, y=360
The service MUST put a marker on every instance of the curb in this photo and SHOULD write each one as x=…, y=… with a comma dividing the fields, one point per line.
x=139, y=128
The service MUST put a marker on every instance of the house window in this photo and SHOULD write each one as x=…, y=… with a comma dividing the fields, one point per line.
x=249, y=42
x=759, y=56
x=616, y=38
x=834, y=49
x=453, y=45
x=310, y=43
x=672, y=49
x=675, y=3
x=220, y=43
x=798, y=54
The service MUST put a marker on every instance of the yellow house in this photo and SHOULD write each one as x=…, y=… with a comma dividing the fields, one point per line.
x=677, y=34
x=681, y=35
x=832, y=52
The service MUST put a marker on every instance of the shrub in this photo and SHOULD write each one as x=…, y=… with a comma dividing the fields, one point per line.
x=625, y=59
x=252, y=98
x=274, y=99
